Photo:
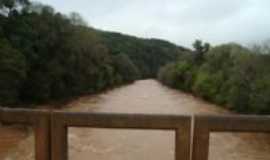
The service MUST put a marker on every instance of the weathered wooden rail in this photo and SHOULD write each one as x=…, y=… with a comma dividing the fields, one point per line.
x=40, y=120
x=51, y=128
x=204, y=125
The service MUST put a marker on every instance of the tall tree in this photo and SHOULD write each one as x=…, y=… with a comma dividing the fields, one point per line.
x=200, y=50
x=10, y=5
x=77, y=20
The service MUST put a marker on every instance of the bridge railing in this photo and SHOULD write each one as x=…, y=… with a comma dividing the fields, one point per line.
x=51, y=129
x=39, y=120
x=62, y=120
x=204, y=125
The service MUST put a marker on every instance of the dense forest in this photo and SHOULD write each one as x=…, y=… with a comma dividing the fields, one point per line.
x=147, y=55
x=47, y=56
x=230, y=75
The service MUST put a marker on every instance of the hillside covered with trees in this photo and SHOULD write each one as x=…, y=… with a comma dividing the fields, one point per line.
x=46, y=55
x=230, y=75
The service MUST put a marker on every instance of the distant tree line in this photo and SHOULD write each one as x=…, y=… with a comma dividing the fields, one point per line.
x=147, y=54
x=230, y=75
x=46, y=55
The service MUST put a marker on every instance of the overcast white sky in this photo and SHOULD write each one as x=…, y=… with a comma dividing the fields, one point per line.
x=179, y=21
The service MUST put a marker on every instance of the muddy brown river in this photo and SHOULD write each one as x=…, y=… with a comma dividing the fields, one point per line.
x=146, y=96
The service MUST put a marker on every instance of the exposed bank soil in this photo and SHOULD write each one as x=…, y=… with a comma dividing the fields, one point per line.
x=147, y=96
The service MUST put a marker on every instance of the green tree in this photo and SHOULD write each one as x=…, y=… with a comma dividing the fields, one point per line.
x=76, y=19
x=125, y=67
x=230, y=75
x=12, y=73
x=10, y=5
x=200, y=50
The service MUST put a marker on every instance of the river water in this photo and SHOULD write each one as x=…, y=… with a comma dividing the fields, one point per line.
x=148, y=96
